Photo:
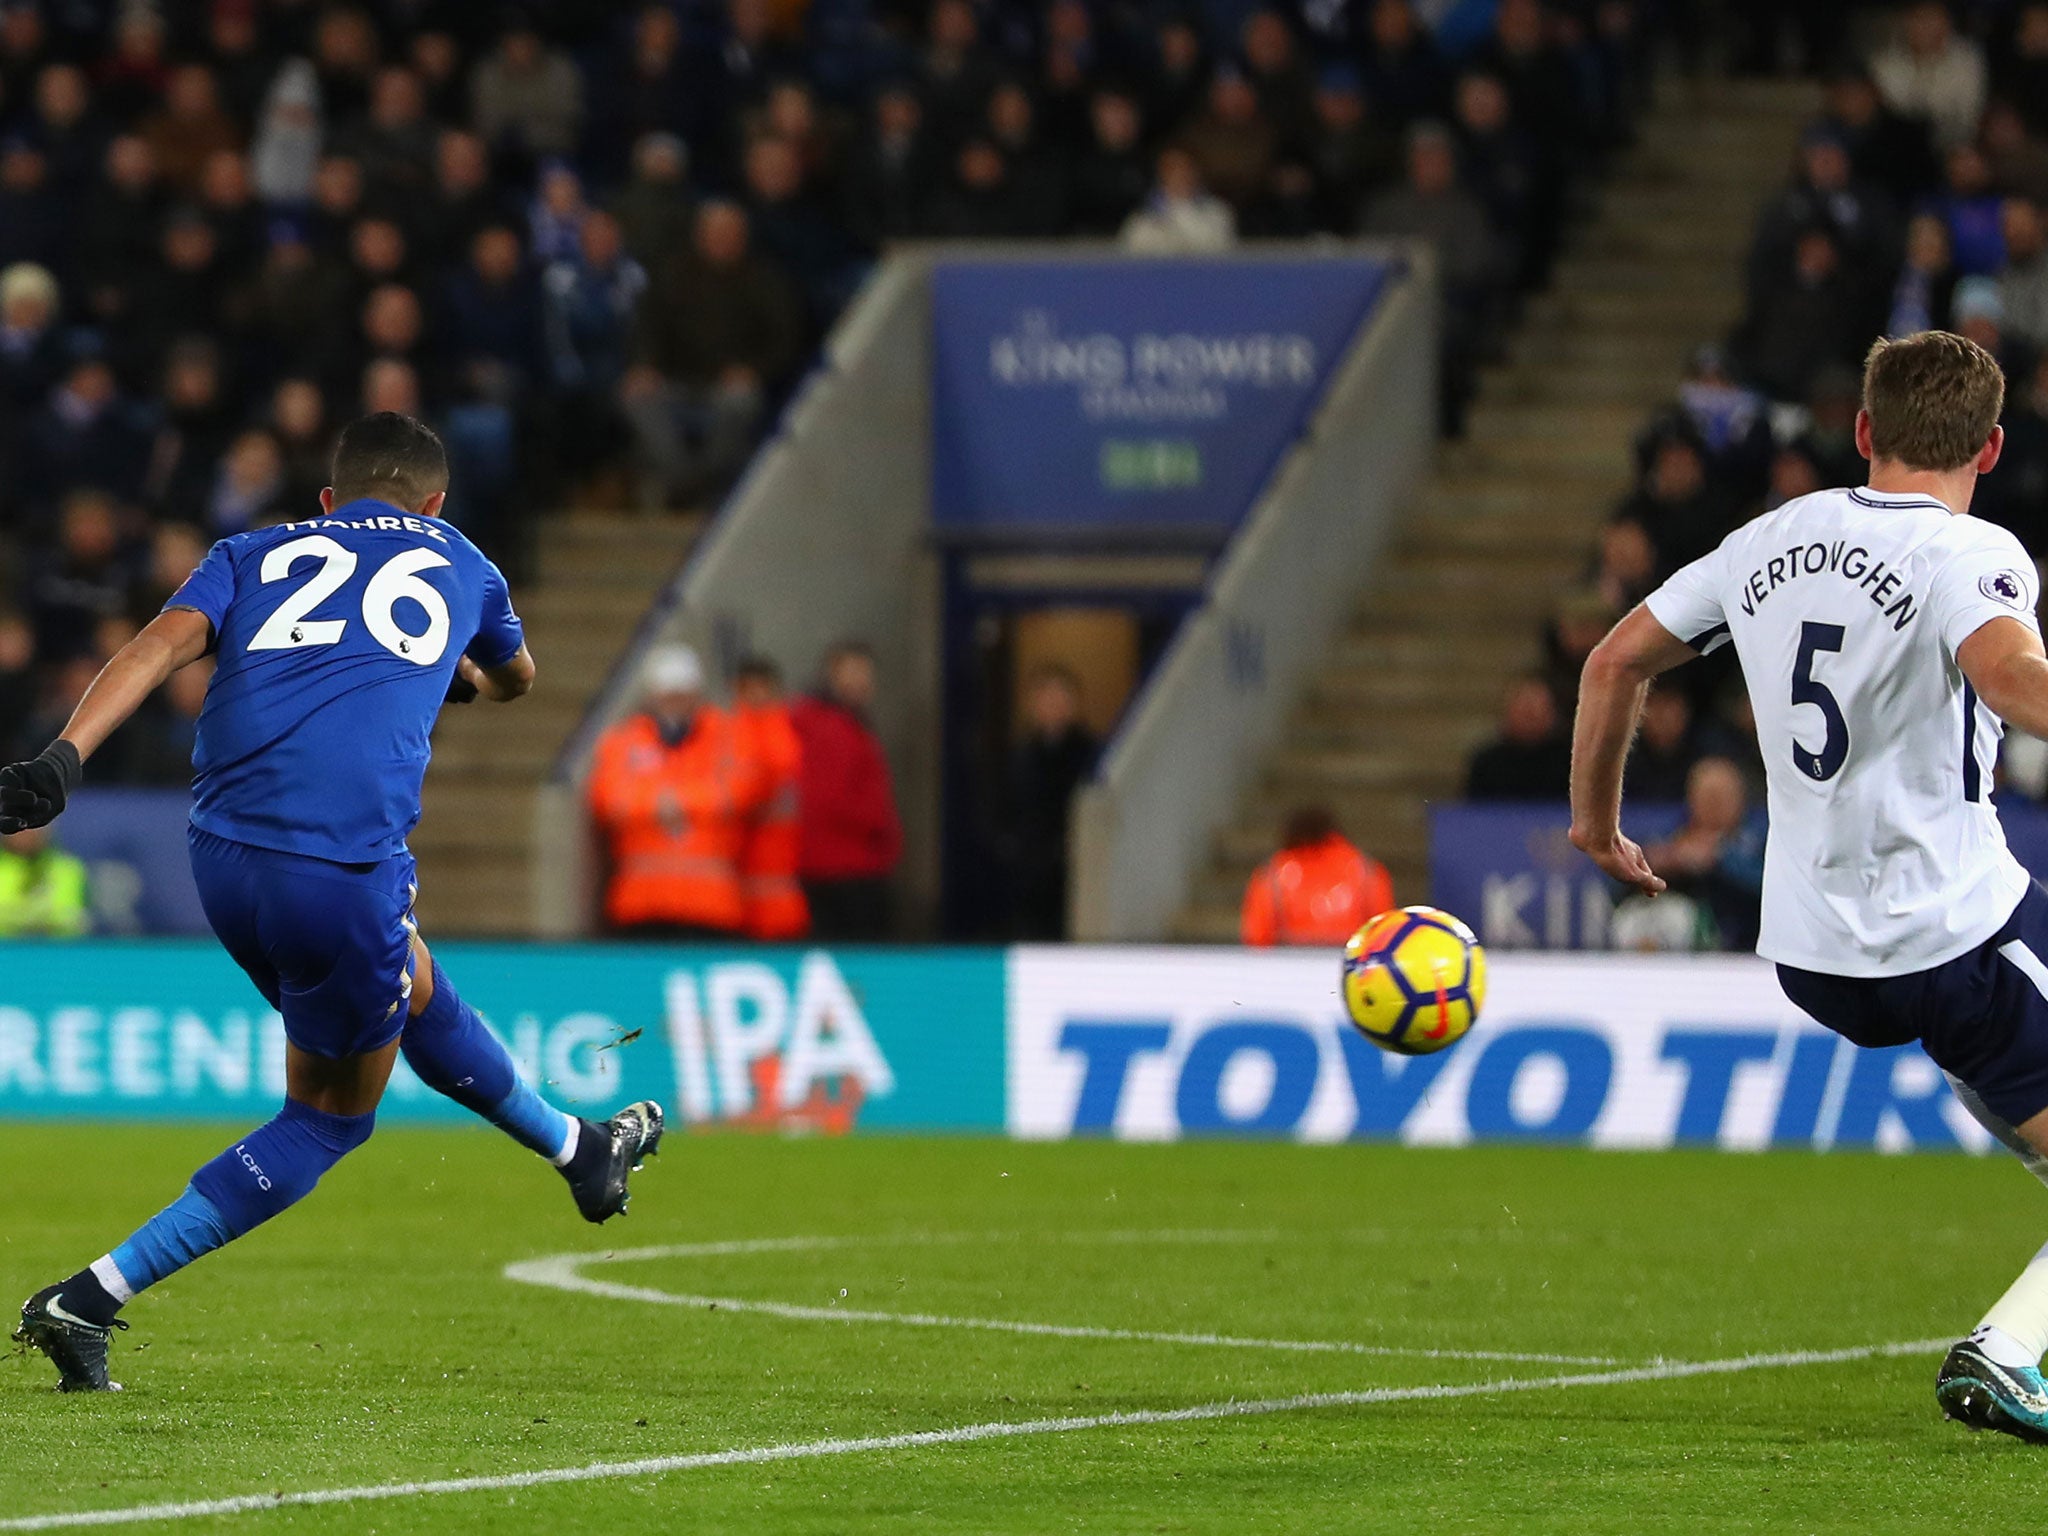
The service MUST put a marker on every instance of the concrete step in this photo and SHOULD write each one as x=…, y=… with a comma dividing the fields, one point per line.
x=1505, y=421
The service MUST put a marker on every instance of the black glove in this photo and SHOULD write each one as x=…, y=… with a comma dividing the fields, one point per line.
x=32, y=794
x=460, y=690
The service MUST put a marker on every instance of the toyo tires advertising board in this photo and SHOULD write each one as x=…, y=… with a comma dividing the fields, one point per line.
x=1137, y=1044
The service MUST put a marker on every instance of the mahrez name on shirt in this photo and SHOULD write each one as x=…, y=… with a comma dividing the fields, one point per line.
x=1851, y=562
x=373, y=525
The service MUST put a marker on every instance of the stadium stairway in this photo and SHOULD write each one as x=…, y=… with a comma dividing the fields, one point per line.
x=595, y=575
x=1511, y=515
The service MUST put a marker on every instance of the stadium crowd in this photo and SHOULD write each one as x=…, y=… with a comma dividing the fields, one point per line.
x=1917, y=199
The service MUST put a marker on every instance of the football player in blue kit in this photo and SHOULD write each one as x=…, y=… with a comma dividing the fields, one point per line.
x=338, y=640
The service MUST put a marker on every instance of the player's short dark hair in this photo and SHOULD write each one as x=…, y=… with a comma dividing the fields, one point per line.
x=391, y=457
x=1307, y=825
x=757, y=669
x=1933, y=400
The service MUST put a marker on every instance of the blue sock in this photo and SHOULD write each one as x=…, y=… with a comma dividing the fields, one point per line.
x=452, y=1052
x=274, y=1167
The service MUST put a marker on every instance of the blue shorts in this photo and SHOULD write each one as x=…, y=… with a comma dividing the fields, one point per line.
x=330, y=945
x=1982, y=1017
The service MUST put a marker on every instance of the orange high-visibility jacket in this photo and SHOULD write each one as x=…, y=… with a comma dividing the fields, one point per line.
x=1314, y=895
x=774, y=902
x=675, y=818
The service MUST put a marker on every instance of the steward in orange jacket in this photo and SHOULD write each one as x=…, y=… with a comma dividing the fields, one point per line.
x=1317, y=889
x=770, y=893
x=672, y=791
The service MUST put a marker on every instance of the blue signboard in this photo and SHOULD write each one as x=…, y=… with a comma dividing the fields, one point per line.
x=770, y=1039
x=133, y=844
x=1510, y=872
x=1129, y=398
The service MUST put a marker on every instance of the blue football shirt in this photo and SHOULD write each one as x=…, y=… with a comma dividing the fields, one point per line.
x=337, y=638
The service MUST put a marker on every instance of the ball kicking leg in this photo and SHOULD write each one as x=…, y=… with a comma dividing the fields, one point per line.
x=449, y=1048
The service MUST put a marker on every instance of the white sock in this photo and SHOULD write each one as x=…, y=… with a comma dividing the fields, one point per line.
x=2015, y=1330
x=112, y=1280
x=561, y=1158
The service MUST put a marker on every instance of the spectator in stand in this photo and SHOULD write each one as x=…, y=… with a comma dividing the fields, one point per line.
x=1717, y=857
x=889, y=185
x=792, y=228
x=32, y=214
x=555, y=221
x=1111, y=178
x=1318, y=889
x=287, y=148
x=1730, y=422
x=17, y=681
x=1046, y=767
x=1924, y=293
x=1434, y=206
x=167, y=731
x=654, y=208
x=31, y=346
x=1825, y=195
x=1665, y=751
x=87, y=577
x=2023, y=285
x=526, y=96
x=1233, y=143
x=1180, y=218
x=191, y=126
x=588, y=316
x=1405, y=78
x=719, y=328
x=852, y=838
x=86, y=435
x=771, y=857
x=2019, y=164
x=1932, y=73
x=249, y=486
x=44, y=891
x=2020, y=71
x=1980, y=315
x=1969, y=205
x=1886, y=149
x=1353, y=147
x=671, y=792
x=1530, y=759
x=1796, y=329
x=1626, y=571
x=1676, y=503
x=1580, y=622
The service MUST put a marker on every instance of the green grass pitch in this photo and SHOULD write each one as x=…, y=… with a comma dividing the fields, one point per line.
x=372, y=1337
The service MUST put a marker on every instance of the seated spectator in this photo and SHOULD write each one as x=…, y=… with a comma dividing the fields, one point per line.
x=1969, y=205
x=980, y=200
x=1232, y=142
x=1318, y=889
x=1352, y=149
x=1404, y=76
x=395, y=141
x=771, y=857
x=1677, y=503
x=795, y=230
x=527, y=96
x=589, y=306
x=85, y=435
x=65, y=128
x=1433, y=205
x=852, y=838
x=193, y=433
x=44, y=892
x=1504, y=167
x=555, y=221
x=1925, y=290
x=1581, y=622
x=1180, y=218
x=488, y=330
x=461, y=202
x=1932, y=73
x=31, y=346
x=164, y=732
x=1794, y=473
x=894, y=173
x=718, y=330
x=1111, y=177
x=1799, y=327
x=1050, y=762
x=1531, y=758
x=670, y=794
x=287, y=147
x=189, y=128
x=33, y=218
x=1626, y=570
x=2023, y=285
x=654, y=208
x=1980, y=315
x=2020, y=71
x=1717, y=856
x=1665, y=749
x=87, y=577
x=17, y=684
x=1730, y=421
x=1886, y=149
x=1824, y=194
x=298, y=422
x=249, y=486
x=2019, y=165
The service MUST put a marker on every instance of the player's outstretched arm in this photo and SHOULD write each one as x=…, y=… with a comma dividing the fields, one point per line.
x=32, y=794
x=503, y=683
x=1611, y=692
x=2004, y=662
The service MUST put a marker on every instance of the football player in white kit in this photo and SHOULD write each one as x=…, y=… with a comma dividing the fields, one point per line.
x=1886, y=637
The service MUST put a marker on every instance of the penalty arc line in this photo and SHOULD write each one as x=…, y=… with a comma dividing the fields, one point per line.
x=655, y=1466
x=564, y=1272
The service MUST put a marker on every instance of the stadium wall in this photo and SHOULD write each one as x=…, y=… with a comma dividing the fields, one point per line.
x=1041, y=1043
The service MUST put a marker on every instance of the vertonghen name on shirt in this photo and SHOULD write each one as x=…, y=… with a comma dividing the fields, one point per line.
x=1852, y=562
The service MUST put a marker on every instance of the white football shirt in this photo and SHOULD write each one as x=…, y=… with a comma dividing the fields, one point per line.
x=1846, y=608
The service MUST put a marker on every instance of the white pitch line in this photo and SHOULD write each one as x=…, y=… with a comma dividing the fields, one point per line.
x=563, y=1272
x=655, y=1466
